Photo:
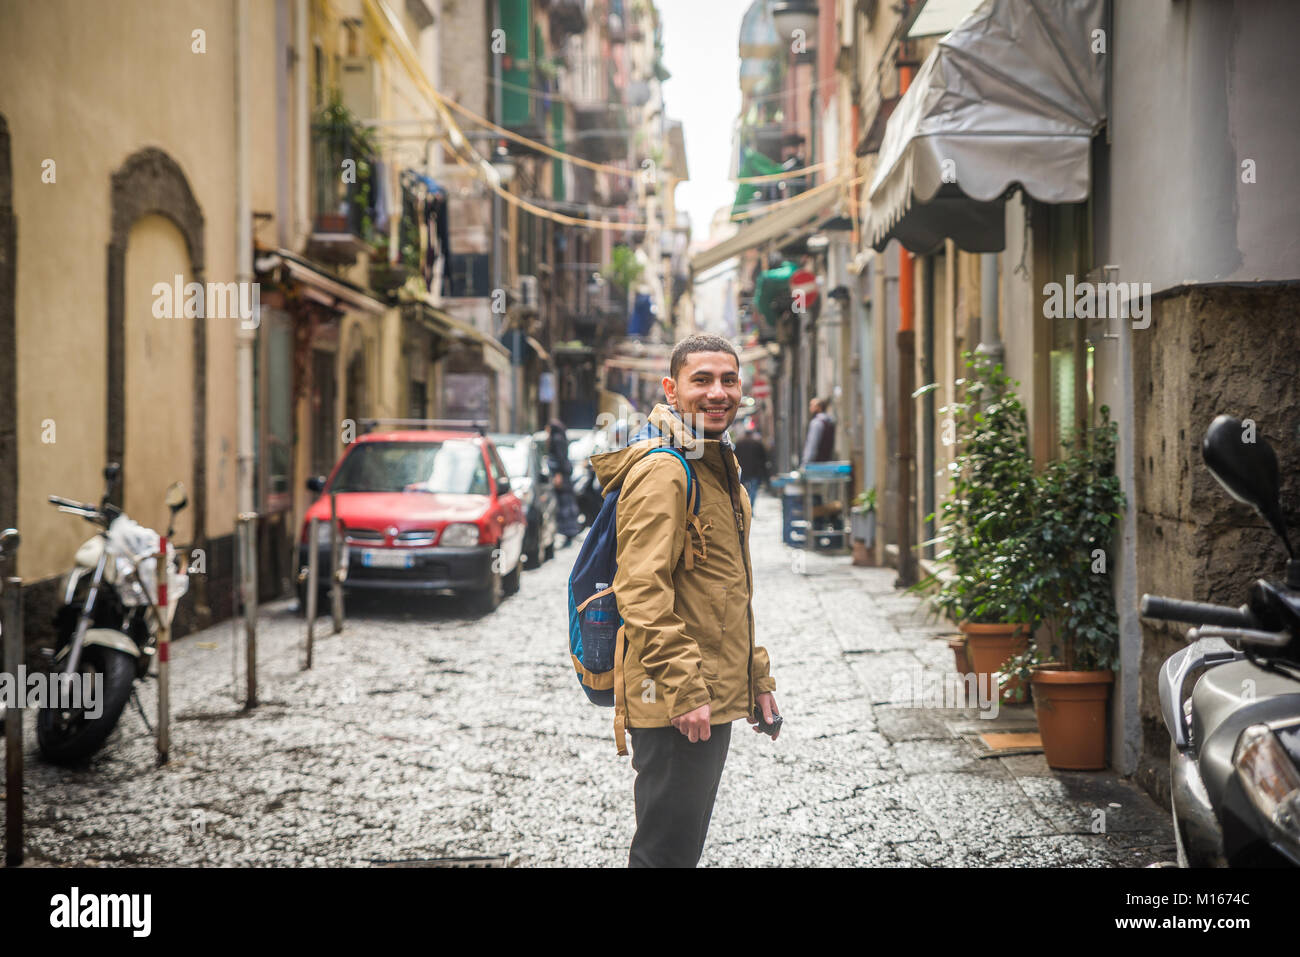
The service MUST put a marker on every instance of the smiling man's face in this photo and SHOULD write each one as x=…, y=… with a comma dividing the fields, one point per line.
x=706, y=392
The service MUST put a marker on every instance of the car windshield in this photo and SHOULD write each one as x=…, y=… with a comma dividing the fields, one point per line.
x=515, y=458
x=455, y=467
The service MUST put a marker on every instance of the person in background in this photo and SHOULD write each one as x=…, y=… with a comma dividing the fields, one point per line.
x=557, y=460
x=752, y=455
x=820, y=444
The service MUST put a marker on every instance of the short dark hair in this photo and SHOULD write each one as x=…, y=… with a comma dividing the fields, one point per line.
x=699, y=343
x=822, y=402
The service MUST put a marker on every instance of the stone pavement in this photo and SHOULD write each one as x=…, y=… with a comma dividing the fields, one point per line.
x=426, y=732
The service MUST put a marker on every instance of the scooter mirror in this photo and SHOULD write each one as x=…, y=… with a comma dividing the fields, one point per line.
x=176, y=498
x=1246, y=465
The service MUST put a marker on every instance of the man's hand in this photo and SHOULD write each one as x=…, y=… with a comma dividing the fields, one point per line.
x=767, y=704
x=694, y=724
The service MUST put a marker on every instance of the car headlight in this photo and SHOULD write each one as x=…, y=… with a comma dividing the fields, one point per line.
x=1270, y=779
x=322, y=534
x=460, y=534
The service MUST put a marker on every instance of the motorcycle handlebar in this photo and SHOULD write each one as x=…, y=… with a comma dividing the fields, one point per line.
x=87, y=511
x=1197, y=612
x=71, y=503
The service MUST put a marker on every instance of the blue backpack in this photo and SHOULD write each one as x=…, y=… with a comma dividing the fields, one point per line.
x=596, y=638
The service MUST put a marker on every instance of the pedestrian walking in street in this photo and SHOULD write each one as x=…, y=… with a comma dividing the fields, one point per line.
x=755, y=463
x=820, y=444
x=684, y=587
x=557, y=460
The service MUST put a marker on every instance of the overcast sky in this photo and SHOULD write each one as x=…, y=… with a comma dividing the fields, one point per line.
x=700, y=51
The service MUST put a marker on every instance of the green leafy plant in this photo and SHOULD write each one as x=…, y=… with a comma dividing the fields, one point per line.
x=623, y=269
x=1079, y=505
x=345, y=138
x=865, y=500
x=984, y=518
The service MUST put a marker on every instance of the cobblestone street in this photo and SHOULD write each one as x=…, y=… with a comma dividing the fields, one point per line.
x=422, y=732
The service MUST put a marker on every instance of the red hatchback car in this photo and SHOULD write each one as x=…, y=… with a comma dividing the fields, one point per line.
x=426, y=510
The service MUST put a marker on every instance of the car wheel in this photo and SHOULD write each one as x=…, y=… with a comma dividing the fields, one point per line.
x=511, y=582
x=486, y=600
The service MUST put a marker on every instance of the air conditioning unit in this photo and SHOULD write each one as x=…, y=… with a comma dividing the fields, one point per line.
x=528, y=288
x=357, y=86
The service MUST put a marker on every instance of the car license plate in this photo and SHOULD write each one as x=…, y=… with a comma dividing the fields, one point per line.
x=386, y=558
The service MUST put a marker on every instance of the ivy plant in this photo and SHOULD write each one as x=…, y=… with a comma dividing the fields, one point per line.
x=1079, y=505
x=984, y=519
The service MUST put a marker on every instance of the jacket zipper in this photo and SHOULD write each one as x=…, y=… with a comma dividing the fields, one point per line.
x=728, y=463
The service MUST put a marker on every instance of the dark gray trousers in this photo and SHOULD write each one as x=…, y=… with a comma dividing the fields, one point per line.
x=676, y=783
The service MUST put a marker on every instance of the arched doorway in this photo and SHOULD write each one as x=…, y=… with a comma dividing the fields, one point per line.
x=158, y=370
x=151, y=184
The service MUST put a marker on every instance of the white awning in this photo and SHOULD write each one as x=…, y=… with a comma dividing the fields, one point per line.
x=328, y=290
x=797, y=211
x=1013, y=95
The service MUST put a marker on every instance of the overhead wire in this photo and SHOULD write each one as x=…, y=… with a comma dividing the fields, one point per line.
x=456, y=139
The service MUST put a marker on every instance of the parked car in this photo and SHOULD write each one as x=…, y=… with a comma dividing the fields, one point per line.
x=427, y=510
x=525, y=459
x=581, y=445
x=586, y=489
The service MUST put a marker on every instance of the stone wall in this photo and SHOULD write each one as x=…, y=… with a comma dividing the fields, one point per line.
x=1208, y=351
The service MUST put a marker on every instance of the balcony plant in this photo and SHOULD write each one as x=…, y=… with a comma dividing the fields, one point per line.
x=345, y=152
x=1071, y=663
x=983, y=584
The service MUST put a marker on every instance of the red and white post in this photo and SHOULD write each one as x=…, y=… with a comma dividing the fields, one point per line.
x=164, y=654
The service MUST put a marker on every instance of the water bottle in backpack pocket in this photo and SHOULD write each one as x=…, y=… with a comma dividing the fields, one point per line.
x=600, y=621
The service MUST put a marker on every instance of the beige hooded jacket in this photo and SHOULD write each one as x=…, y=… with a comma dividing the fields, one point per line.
x=688, y=618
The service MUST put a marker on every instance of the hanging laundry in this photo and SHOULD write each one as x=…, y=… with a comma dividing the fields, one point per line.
x=380, y=195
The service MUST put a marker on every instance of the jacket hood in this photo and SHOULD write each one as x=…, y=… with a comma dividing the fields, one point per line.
x=612, y=467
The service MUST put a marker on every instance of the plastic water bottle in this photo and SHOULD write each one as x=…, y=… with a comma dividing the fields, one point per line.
x=599, y=631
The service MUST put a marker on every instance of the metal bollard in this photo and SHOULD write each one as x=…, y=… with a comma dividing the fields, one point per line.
x=313, y=545
x=336, y=573
x=164, y=653
x=247, y=524
x=11, y=613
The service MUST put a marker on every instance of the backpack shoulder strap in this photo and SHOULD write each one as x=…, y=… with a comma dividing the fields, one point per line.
x=691, y=484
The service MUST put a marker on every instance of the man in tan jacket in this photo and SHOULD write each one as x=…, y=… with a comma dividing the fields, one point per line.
x=684, y=588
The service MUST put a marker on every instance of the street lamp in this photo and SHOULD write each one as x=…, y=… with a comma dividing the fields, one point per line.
x=792, y=15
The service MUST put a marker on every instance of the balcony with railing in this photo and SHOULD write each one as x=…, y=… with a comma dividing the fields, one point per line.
x=343, y=158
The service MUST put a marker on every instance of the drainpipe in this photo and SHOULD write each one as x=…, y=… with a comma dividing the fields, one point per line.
x=245, y=340
x=496, y=115
x=283, y=223
x=990, y=341
x=906, y=459
x=302, y=125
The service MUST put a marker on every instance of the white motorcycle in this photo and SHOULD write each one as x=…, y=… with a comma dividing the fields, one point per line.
x=108, y=624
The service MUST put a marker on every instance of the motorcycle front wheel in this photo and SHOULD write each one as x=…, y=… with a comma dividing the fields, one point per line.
x=67, y=735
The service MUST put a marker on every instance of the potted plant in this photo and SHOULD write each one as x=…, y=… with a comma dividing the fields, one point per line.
x=1071, y=666
x=862, y=518
x=343, y=193
x=982, y=583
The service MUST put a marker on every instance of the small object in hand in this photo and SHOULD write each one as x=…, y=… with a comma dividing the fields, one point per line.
x=763, y=725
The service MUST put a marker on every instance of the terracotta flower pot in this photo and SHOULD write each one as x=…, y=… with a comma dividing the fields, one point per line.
x=1071, y=710
x=988, y=648
x=959, y=657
